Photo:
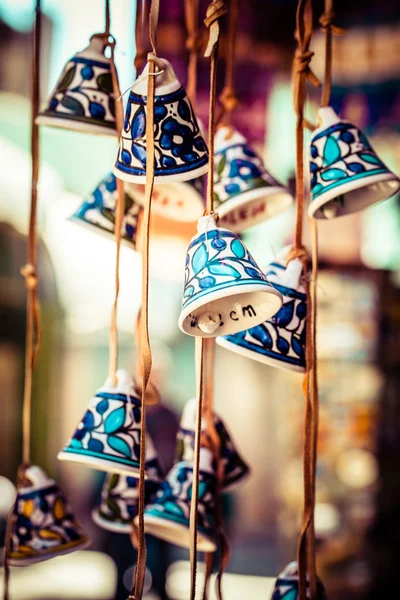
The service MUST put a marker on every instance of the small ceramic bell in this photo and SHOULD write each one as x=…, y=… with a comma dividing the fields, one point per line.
x=180, y=150
x=279, y=341
x=235, y=469
x=225, y=290
x=168, y=516
x=245, y=194
x=287, y=585
x=98, y=211
x=119, y=501
x=108, y=436
x=43, y=525
x=175, y=201
x=346, y=174
x=83, y=99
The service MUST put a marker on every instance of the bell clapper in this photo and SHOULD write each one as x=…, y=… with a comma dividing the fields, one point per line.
x=208, y=322
x=330, y=210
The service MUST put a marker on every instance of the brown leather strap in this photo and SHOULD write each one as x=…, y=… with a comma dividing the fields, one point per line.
x=228, y=97
x=326, y=22
x=107, y=17
x=209, y=566
x=194, y=45
x=140, y=28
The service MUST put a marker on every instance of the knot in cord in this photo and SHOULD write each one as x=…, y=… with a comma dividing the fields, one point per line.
x=229, y=100
x=326, y=22
x=195, y=43
x=214, y=12
x=302, y=59
x=157, y=61
x=31, y=279
x=300, y=253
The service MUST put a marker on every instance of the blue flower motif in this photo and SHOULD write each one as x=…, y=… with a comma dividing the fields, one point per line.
x=87, y=72
x=24, y=528
x=178, y=138
x=244, y=169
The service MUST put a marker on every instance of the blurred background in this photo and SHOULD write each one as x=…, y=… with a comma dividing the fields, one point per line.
x=358, y=321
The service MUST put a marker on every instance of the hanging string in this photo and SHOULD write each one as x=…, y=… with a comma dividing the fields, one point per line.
x=326, y=22
x=107, y=18
x=194, y=44
x=140, y=27
x=228, y=97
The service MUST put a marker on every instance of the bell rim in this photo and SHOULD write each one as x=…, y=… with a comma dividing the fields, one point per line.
x=172, y=178
x=61, y=121
x=332, y=193
x=261, y=358
x=100, y=464
x=205, y=543
x=256, y=194
x=246, y=286
x=113, y=526
x=104, y=233
x=82, y=544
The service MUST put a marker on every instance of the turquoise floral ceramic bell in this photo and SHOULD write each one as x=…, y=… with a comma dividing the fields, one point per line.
x=346, y=174
x=279, y=341
x=108, y=436
x=98, y=210
x=168, y=516
x=287, y=585
x=180, y=150
x=43, y=525
x=225, y=291
x=119, y=501
x=245, y=193
x=83, y=99
x=235, y=469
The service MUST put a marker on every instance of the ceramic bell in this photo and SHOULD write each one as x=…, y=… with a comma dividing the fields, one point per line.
x=98, y=211
x=108, y=436
x=119, y=501
x=245, y=194
x=180, y=150
x=175, y=201
x=225, y=290
x=287, y=585
x=168, y=516
x=279, y=341
x=235, y=469
x=346, y=174
x=83, y=99
x=43, y=525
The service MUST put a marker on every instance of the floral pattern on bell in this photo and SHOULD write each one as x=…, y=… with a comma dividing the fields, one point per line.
x=287, y=585
x=108, y=436
x=245, y=193
x=119, y=501
x=280, y=341
x=100, y=207
x=43, y=525
x=83, y=94
x=172, y=503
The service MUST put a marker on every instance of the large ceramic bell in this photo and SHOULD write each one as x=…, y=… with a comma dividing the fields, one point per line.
x=225, y=290
x=43, y=525
x=83, y=99
x=287, y=585
x=245, y=193
x=235, y=469
x=279, y=341
x=108, y=436
x=119, y=501
x=168, y=516
x=98, y=210
x=346, y=174
x=180, y=150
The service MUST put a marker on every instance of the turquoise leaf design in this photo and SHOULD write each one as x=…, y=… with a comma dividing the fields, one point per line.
x=332, y=174
x=331, y=151
x=238, y=249
x=115, y=420
x=189, y=291
x=173, y=508
x=199, y=259
x=370, y=158
x=317, y=188
x=222, y=268
x=202, y=489
x=119, y=445
x=290, y=595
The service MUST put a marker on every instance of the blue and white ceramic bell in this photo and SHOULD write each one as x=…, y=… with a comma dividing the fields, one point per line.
x=280, y=340
x=235, y=469
x=108, y=436
x=245, y=193
x=287, y=585
x=119, y=501
x=346, y=174
x=168, y=516
x=180, y=150
x=83, y=98
x=98, y=210
x=225, y=291
x=43, y=525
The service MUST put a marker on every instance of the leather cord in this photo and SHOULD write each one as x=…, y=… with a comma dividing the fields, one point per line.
x=194, y=44
x=228, y=97
x=326, y=22
x=140, y=28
